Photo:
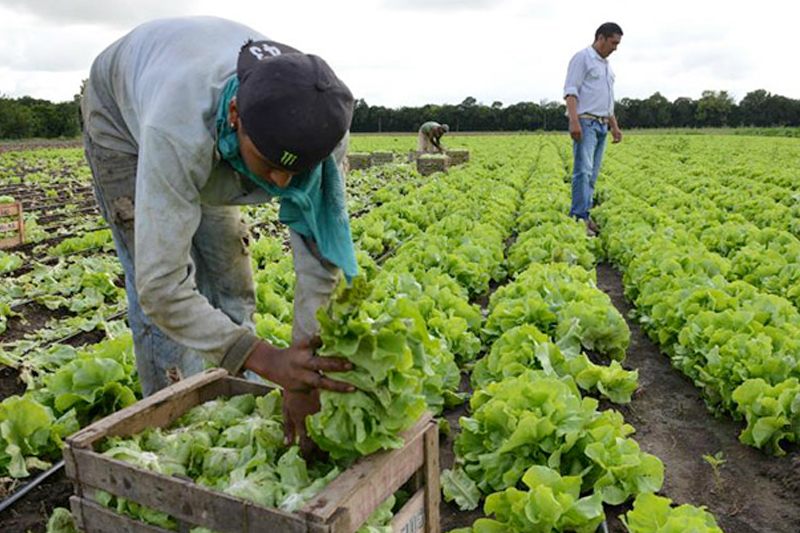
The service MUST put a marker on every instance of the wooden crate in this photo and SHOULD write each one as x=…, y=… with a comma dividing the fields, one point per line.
x=430, y=163
x=458, y=157
x=340, y=508
x=358, y=161
x=7, y=225
x=381, y=158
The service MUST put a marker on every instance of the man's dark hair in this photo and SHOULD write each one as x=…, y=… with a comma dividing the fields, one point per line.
x=608, y=29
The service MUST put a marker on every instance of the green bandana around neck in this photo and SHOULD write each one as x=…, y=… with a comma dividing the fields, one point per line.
x=313, y=202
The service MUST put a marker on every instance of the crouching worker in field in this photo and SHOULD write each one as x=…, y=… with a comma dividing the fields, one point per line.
x=184, y=121
x=429, y=139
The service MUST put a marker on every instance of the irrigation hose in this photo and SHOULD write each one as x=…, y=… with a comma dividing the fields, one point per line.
x=8, y=502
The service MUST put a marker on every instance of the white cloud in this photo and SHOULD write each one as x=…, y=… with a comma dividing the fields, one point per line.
x=718, y=64
x=44, y=48
x=110, y=12
x=53, y=86
x=412, y=52
x=442, y=5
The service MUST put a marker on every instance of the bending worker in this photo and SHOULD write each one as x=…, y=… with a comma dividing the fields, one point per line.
x=185, y=120
x=430, y=135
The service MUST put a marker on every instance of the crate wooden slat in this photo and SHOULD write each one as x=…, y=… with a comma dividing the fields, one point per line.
x=430, y=163
x=214, y=509
x=91, y=517
x=10, y=210
x=431, y=477
x=381, y=158
x=358, y=160
x=458, y=156
x=373, y=479
x=9, y=226
x=411, y=518
x=340, y=508
x=18, y=225
x=159, y=410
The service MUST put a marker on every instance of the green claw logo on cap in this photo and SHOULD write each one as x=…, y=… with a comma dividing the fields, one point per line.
x=288, y=158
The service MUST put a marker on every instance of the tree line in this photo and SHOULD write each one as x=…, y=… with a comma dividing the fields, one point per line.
x=713, y=109
x=28, y=117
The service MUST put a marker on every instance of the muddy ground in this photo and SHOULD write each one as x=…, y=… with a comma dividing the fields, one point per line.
x=32, y=144
x=753, y=493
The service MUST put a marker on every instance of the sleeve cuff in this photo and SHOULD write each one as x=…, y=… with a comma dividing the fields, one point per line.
x=234, y=358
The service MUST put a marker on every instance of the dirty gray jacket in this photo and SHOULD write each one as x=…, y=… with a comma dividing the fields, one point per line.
x=154, y=94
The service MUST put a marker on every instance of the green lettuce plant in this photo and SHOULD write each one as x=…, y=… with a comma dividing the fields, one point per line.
x=655, y=514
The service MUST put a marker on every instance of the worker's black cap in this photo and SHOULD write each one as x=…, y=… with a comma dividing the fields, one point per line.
x=292, y=105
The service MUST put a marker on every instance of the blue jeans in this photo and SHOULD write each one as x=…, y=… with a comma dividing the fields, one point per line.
x=587, y=159
x=160, y=361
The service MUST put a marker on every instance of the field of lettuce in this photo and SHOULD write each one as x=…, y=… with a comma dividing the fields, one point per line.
x=646, y=380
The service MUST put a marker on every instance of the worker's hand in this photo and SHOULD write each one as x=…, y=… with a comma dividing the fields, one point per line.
x=300, y=372
x=575, y=130
x=296, y=407
x=296, y=368
x=616, y=135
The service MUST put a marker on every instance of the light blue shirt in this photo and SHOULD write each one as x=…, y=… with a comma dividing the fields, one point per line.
x=591, y=80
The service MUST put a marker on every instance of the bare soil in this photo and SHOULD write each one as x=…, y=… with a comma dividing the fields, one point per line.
x=30, y=317
x=755, y=492
x=30, y=513
x=10, y=384
x=33, y=144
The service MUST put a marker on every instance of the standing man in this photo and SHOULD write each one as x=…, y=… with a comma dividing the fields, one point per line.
x=430, y=135
x=185, y=120
x=589, y=92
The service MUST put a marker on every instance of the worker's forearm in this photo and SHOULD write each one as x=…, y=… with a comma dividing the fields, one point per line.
x=316, y=281
x=572, y=107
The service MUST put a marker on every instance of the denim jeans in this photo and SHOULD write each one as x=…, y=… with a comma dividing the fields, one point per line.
x=221, y=275
x=587, y=158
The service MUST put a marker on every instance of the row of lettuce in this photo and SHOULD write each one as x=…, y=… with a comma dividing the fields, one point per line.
x=54, y=185
x=49, y=272
x=66, y=387
x=535, y=446
x=710, y=259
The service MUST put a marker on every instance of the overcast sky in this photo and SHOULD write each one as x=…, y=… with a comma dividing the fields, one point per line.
x=412, y=52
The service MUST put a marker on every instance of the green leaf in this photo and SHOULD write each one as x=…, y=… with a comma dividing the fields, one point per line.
x=654, y=514
x=458, y=487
